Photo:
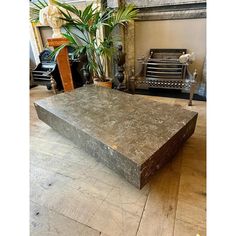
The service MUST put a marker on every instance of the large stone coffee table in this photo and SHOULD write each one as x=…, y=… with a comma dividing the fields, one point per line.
x=132, y=135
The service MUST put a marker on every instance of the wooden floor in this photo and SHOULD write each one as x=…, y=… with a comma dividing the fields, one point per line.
x=73, y=194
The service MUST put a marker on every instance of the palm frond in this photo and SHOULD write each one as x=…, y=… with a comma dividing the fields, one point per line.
x=35, y=9
x=125, y=14
x=69, y=8
x=43, y=4
x=82, y=29
x=57, y=50
x=87, y=13
x=37, y=5
x=75, y=36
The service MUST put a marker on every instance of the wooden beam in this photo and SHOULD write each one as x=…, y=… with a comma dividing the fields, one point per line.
x=63, y=63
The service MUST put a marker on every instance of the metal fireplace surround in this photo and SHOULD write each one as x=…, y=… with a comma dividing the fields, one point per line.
x=162, y=69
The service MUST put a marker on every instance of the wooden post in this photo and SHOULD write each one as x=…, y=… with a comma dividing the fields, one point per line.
x=63, y=63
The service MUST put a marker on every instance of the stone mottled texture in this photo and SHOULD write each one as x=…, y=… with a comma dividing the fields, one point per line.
x=132, y=135
x=154, y=3
x=172, y=15
x=129, y=47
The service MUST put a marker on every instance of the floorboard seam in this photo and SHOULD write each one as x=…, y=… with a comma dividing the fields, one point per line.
x=177, y=200
x=180, y=222
x=113, y=187
x=54, y=142
x=59, y=213
x=104, y=199
x=74, y=178
x=184, y=221
x=144, y=207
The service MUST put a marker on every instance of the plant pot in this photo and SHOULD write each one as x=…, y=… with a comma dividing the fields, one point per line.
x=107, y=84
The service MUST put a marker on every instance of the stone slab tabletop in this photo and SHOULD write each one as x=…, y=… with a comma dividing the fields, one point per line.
x=132, y=135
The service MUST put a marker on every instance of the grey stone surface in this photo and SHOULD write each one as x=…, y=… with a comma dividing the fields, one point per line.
x=132, y=135
x=172, y=11
x=153, y=3
x=171, y=15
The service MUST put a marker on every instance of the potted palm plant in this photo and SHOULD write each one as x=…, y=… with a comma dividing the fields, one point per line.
x=82, y=29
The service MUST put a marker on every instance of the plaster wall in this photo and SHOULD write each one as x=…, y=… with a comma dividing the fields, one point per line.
x=186, y=33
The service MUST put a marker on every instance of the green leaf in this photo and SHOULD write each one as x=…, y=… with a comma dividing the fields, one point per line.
x=87, y=23
x=42, y=4
x=87, y=13
x=35, y=8
x=76, y=36
x=38, y=6
x=57, y=50
x=70, y=39
x=69, y=8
